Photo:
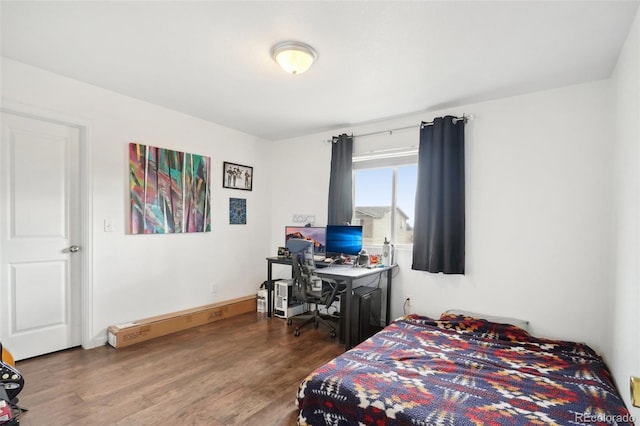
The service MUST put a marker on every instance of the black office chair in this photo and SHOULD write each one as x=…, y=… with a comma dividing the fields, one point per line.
x=308, y=287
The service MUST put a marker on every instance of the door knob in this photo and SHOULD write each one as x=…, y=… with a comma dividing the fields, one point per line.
x=74, y=249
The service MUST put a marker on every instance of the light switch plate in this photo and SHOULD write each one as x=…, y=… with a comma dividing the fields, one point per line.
x=635, y=391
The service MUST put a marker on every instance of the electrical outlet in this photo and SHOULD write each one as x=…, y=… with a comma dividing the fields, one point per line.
x=407, y=305
x=214, y=288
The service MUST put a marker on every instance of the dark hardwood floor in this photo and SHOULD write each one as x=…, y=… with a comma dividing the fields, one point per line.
x=242, y=370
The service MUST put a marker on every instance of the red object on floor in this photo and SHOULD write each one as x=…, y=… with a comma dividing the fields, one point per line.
x=6, y=413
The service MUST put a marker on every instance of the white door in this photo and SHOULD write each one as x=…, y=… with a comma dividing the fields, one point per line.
x=39, y=236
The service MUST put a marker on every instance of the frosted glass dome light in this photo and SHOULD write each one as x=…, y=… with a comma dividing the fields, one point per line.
x=293, y=56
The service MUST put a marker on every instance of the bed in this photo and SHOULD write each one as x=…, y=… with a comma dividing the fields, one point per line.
x=461, y=370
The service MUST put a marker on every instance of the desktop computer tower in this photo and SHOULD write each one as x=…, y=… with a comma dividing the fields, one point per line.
x=284, y=303
x=365, y=314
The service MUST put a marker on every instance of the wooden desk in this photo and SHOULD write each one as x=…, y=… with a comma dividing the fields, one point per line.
x=342, y=273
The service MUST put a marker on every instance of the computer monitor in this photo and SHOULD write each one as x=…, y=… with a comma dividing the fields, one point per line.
x=317, y=234
x=344, y=239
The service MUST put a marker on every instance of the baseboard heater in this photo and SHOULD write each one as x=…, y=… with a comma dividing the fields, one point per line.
x=130, y=333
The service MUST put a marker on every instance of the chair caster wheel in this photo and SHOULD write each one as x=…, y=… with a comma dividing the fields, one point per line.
x=289, y=322
x=296, y=333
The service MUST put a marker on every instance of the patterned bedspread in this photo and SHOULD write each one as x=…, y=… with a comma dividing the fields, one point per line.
x=461, y=371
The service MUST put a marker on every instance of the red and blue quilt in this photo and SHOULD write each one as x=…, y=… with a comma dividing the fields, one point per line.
x=461, y=371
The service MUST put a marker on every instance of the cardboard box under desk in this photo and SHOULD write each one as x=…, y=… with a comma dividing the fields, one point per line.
x=127, y=334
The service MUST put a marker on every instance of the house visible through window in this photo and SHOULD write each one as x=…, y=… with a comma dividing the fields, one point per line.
x=384, y=198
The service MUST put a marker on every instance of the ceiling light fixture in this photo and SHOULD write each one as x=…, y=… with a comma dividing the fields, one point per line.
x=293, y=56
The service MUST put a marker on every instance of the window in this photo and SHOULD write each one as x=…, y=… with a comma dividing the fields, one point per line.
x=384, y=198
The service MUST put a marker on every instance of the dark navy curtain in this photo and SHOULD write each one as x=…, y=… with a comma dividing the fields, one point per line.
x=341, y=181
x=438, y=237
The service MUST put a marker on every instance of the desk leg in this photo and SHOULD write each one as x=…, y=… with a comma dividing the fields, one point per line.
x=269, y=288
x=388, y=307
x=348, y=292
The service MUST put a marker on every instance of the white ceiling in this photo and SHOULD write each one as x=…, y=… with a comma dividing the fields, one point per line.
x=377, y=59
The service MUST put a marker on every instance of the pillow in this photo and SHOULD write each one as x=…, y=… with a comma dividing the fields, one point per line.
x=493, y=318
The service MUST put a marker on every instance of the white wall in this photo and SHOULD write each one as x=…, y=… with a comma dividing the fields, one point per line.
x=538, y=214
x=623, y=349
x=137, y=276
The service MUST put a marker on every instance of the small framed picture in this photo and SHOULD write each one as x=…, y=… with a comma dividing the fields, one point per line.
x=237, y=211
x=237, y=176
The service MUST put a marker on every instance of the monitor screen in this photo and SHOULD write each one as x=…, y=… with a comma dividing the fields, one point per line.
x=316, y=234
x=344, y=239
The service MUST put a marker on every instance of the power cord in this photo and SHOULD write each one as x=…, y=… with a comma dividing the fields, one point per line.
x=406, y=306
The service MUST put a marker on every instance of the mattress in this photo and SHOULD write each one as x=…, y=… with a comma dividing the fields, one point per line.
x=459, y=370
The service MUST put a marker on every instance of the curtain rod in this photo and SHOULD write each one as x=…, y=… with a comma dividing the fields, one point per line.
x=464, y=118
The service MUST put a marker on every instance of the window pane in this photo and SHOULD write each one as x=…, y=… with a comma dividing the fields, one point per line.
x=405, y=201
x=373, y=204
